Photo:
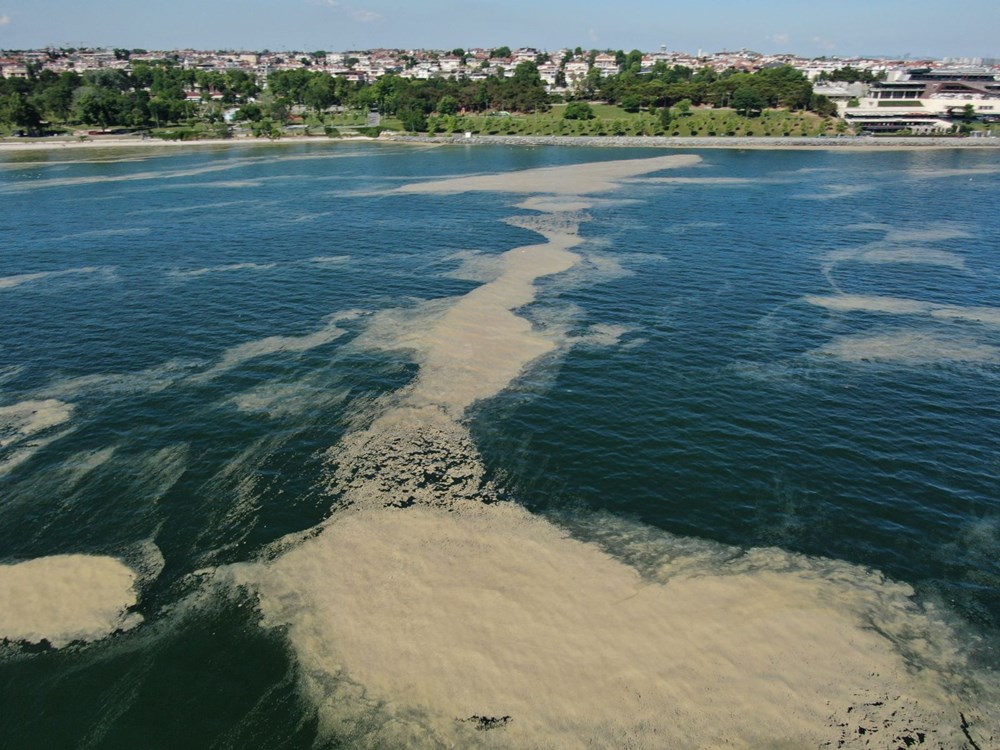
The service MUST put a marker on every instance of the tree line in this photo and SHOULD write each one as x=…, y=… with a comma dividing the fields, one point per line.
x=149, y=95
x=157, y=94
x=665, y=86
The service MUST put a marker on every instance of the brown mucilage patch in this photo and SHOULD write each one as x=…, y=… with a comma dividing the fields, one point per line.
x=428, y=611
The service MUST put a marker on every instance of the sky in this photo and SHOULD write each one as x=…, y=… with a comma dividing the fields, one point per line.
x=896, y=28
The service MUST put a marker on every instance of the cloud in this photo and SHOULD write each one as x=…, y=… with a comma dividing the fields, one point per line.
x=361, y=15
x=592, y=35
x=779, y=38
x=4, y=20
x=365, y=16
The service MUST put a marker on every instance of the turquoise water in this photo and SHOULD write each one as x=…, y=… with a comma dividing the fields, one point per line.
x=798, y=349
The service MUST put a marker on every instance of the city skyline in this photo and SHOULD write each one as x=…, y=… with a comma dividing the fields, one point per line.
x=888, y=27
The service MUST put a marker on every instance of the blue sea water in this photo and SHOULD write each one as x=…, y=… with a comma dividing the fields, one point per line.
x=798, y=349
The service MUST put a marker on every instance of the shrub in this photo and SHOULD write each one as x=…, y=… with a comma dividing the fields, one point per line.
x=578, y=111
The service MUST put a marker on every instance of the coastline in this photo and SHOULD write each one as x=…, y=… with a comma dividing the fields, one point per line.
x=861, y=143
x=842, y=143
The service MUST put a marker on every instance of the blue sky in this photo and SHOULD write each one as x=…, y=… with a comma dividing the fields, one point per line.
x=844, y=27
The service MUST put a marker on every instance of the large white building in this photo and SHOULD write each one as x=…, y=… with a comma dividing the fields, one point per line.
x=927, y=99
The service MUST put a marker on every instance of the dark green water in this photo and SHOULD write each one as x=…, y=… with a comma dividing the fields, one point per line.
x=791, y=349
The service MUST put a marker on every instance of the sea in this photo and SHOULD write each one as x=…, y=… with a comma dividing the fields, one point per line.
x=301, y=445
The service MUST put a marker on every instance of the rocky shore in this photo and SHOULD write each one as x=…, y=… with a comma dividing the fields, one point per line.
x=828, y=142
x=866, y=143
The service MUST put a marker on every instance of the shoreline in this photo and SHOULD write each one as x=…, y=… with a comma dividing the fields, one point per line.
x=861, y=143
x=845, y=143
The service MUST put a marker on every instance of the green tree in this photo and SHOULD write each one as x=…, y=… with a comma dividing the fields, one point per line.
x=100, y=106
x=55, y=99
x=631, y=103
x=633, y=62
x=748, y=102
x=500, y=52
x=17, y=110
x=852, y=75
x=241, y=84
x=448, y=105
x=320, y=92
x=589, y=85
x=275, y=108
x=108, y=78
x=249, y=112
x=822, y=105
x=265, y=128
x=578, y=111
x=413, y=120
x=290, y=84
x=523, y=92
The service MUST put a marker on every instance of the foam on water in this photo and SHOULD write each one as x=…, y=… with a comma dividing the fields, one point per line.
x=931, y=233
x=150, y=380
x=429, y=611
x=869, y=303
x=237, y=355
x=27, y=427
x=909, y=347
x=22, y=420
x=222, y=184
x=573, y=180
x=223, y=269
x=9, y=373
x=168, y=174
x=487, y=611
x=79, y=465
x=475, y=266
x=985, y=315
x=833, y=192
x=902, y=306
x=98, y=233
x=480, y=345
x=334, y=260
x=66, y=598
x=903, y=246
x=686, y=227
x=603, y=334
x=877, y=253
x=276, y=400
x=157, y=471
x=9, y=282
x=934, y=174
x=197, y=207
x=713, y=181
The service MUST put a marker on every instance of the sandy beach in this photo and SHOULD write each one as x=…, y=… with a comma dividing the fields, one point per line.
x=853, y=143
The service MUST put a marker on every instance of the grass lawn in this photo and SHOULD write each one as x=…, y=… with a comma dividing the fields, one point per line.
x=613, y=120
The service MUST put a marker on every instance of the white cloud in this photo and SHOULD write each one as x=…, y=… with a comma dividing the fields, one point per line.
x=361, y=15
x=779, y=38
x=592, y=35
x=4, y=20
x=365, y=16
